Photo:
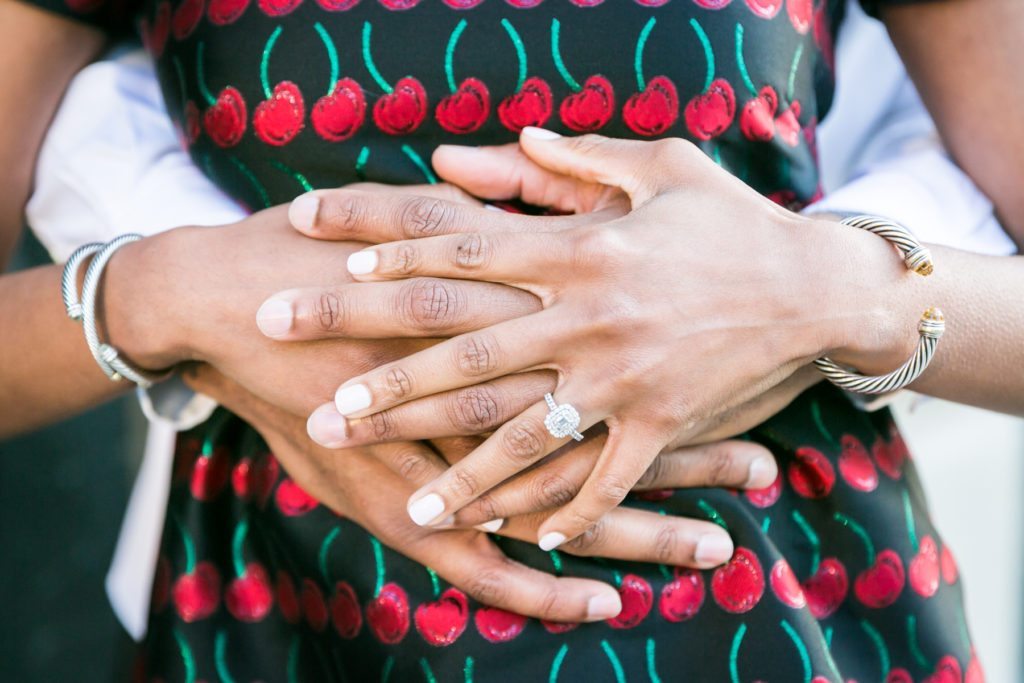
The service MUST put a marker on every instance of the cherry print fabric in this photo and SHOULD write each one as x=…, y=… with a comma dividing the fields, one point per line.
x=839, y=574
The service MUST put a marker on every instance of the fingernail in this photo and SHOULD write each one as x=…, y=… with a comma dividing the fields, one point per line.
x=350, y=399
x=713, y=550
x=275, y=317
x=492, y=207
x=762, y=473
x=540, y=133
x=492, y=526
x=446, y=523
x=551, y=540
x=426, y=509
x=303, y=210
x=604, y=606
x=362, y=262
x=327, y=427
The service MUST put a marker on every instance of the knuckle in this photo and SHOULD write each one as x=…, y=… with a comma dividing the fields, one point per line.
x=524, y=439
x=611, y=489
x=476, y=355
x=652, y=475
x=673, y=150
x=487, y=507
x=347, y=212
x=383, y=425
x=721, y=462
x=328, y=312
x=472, y=251
x=586, y=144
x=552, y=604
x=666, y=541
x=475, y=409
x=464, y=484
x=431, y=304
x=404, y=259
x=489, y=586
x=425, y=216
x=398, y=383
x=555, y=491
x=411, y=465
x=593, y=536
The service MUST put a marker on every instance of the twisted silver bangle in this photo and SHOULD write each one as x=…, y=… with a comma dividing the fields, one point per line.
x=69, y=279
x=917, y=258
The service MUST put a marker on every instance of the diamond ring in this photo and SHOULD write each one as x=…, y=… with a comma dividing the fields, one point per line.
x=562, y=420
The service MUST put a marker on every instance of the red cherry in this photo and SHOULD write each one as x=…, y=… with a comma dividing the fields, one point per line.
x=710, y=114
x=185, y=453
x=975, y=673
x=84, y=6
x=855, y=464
x=388, y=614
x=654, y=110
x=712, y=4
x=948, y=564
x=787, y=125
x=287, y=600
x=442, y=622
x=531, y=106
x=186, y=18
x=682, y=597
x=240, y=478
x=313, y=607
x=757, y=121
x=738, y=585
x=799, y=12
x=645, y=3
x=811, y=474
x=226, y=119
x=823, y=36
x=466, y=109
x=196, y=595
x=924, y=568
x=399, y=4
x=498, y=625
x=595, y=3
x=192, y=125
x=881, y=584
x=292, y=500
x=401, y=111
x=210, y=474
x=154, y=36
x=899, y=676
x=462, y=4
x=249, y=597
x=337, y=5
x=947, y=670
x=345, y=613
x=278, y=120
x=340, y=114
x=591, y=108
x=161, y=585
x=558, y=627
x=765, y=9
x=278, y=8
x=826, y=590
x=262, y=477
x=785, y=586
x=767, y=496
x=224, y=12
x=637, y=599
x=526, y=4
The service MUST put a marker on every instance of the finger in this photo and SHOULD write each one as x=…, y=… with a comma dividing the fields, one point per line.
x=463, y=412
x=728, y=464
x=642, y=169
x=642, y=536
x=421, y=307
x=375, y=217
x=478, y=567
x=446, y=191
x=462, y=361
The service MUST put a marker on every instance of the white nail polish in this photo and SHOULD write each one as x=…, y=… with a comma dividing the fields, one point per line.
x=362, y=262
x=604, y=606
x=326, y=427
x=762, y=473
x=303, y=210
x=540, y=133
x=492, y=207
x=426, y=509
x=275, y=318
x=492, y=526
x=713, y=550
x=551, y=540
x=352, y=398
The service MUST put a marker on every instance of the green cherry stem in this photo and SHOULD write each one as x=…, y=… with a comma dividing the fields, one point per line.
x=556, y=663
x=449, y=54
x=435, y=583
x=869, y=546
x=819, y=422
x=801, y=648
x=378, y=560
x=766, y=524
x=734, y=653
x=652, y=669
x=201, y=76
x=908, y=515
x=791, y=83
x=620, y=673
x=517, y=42
x=812, y=538
x=741, y=63
x=389, y=665
x=915, y=647
x=368, y=59
x=220, y=657
x=556, y=55
x=188, y=660
x=179, y=72
x=880, y=648
x=238, y=546
x=428, y=675
x=638, y=54
x=253, y=180
x=324, y=556
x=186, y=540
x=332, y=55
x=293, y=659
x=467, y=670
x=556, y=561
x=364, y=154
x=709, y=53
x=712, y=513
x=287, y=170
x=420, y=164
x=265, y=61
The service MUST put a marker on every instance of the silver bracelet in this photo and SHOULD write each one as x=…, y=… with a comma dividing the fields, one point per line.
x=106, y=356
x=918, y=259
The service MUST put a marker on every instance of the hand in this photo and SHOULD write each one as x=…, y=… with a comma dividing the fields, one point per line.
x=654, y=323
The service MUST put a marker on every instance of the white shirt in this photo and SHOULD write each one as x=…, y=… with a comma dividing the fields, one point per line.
x=112, y=163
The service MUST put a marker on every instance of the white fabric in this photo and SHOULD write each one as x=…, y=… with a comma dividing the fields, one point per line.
x=112, y=163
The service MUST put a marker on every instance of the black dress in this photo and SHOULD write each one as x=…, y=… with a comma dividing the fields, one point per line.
x=838, y=573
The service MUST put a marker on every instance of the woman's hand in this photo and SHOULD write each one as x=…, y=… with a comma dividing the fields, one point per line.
x=704, y=296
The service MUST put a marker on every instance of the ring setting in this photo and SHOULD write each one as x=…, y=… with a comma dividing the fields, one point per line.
x=562, y=420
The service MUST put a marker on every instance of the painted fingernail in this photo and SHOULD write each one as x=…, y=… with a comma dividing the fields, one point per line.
x=446, y=523
x=713, y=550
x=327, y=427
x=604, y=606
x=551, y=540
x=275, y=317
x=303, y=210
x=762, y=472
x=426, y=509
x=350, y=399
x=362, y=262
x=492, y=526
x=492, y=207
x=540, y=133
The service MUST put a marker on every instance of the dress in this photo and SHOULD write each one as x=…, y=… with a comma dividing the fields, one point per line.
x=839, y=574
